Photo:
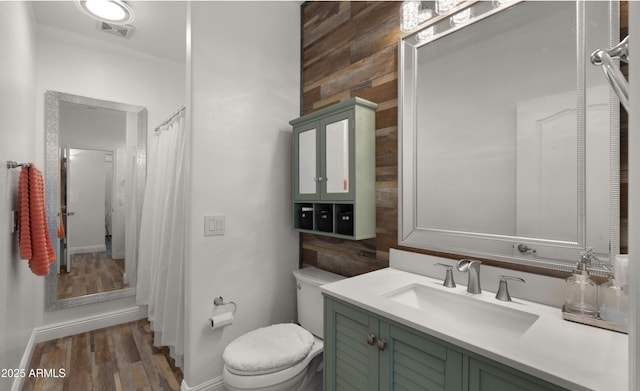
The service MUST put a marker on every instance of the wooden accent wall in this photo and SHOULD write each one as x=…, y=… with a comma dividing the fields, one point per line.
x=351, y=49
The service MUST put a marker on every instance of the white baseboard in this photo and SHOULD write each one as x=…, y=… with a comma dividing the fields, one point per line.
x=215, y=384
x=72, y=327
x=25, y=361
x=82, y=325
x=87, y=249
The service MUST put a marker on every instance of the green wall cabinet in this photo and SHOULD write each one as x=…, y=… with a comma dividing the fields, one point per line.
x=333, y=173
x=366, y=352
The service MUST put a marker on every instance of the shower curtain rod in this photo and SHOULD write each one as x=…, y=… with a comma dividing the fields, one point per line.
x=604, y=58
x=180, y=110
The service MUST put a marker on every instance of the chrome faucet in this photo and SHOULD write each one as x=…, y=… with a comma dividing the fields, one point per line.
x=473, y=269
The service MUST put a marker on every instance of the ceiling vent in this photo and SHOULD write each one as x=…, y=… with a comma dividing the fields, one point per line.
x=121, y=30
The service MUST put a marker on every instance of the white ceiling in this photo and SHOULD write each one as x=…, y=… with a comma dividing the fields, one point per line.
x=160, y=26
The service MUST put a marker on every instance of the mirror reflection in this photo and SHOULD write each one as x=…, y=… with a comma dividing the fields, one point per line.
x=509, y=162
x=92, y=186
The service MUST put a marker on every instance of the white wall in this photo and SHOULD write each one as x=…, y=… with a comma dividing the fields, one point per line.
x=245, y=88
x=74, y=64
x=21, y=292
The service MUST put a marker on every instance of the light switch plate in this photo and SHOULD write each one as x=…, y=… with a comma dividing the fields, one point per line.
x=214, y=225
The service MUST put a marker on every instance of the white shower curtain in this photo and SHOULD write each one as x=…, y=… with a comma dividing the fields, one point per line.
x=160, y=282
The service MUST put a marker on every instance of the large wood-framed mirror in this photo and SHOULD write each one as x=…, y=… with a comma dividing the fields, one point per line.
x=508, y=136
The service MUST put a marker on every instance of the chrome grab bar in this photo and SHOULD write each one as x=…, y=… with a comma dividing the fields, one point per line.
x=604, y=58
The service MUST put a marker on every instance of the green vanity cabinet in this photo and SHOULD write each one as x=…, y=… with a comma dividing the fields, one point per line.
x=333, y=170
x=486, y=375
x=350, y=362
x=366, y=352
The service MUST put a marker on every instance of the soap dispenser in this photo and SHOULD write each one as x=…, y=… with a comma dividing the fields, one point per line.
x=612, y=296
x=581, y=292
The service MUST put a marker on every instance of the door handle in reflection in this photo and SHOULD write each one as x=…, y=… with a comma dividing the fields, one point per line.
x=523, y=248
x=70, y=213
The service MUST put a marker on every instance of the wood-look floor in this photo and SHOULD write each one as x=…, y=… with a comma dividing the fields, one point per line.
x=118, y=358
x=91, y=273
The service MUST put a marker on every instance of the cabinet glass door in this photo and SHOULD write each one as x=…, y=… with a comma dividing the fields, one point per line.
x=337, y=150
x=337, y=157
x=307, y=163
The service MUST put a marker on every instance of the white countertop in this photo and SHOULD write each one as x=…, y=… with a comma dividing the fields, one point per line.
x=571, y=355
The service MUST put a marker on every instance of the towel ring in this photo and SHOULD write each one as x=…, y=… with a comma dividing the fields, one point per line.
x=219, y=301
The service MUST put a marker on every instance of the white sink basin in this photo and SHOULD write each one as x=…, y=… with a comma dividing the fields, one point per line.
x=455, y=307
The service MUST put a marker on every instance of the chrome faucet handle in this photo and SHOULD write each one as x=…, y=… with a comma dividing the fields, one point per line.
x=448, y=279
x=503, y=289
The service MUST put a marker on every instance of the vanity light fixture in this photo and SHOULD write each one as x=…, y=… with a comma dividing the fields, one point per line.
x=409, y=11
x=427, y=33
x=412, y=13
x=444, y=6
x=461, y=17
x=110, y=11
x=500, y=3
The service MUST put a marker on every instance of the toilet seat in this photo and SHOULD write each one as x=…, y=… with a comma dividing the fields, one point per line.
x=268, y=349
x=285, y=379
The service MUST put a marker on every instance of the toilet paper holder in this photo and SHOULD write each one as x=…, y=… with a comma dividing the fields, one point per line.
x=219, y=302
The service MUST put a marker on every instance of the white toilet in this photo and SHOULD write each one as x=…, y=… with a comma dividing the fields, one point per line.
x=285, y=356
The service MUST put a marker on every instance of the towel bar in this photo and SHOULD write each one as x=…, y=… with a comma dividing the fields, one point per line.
x=15, y=164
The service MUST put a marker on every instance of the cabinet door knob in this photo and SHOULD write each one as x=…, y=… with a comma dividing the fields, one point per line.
x=371, y=339
x=381, y=344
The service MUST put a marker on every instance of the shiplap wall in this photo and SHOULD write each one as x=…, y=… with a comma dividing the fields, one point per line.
x=351, y=49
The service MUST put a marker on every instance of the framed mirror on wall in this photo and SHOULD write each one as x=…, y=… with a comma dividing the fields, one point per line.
x=94, y=184
x=508, y=137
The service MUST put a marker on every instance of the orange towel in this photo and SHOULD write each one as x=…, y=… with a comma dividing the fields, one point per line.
x=61, y=233
x=24, y=230
x=35, y=244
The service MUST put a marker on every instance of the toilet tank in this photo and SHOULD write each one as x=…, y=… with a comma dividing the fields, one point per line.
x=310, y=304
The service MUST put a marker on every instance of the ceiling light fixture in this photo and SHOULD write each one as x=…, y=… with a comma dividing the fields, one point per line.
x=110, y=11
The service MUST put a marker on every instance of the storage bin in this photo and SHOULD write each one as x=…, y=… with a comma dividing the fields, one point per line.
x=344, y=225
x=325, y=221
x=306, y=218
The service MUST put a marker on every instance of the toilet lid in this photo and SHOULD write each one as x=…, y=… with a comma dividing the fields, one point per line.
x=268, y=349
